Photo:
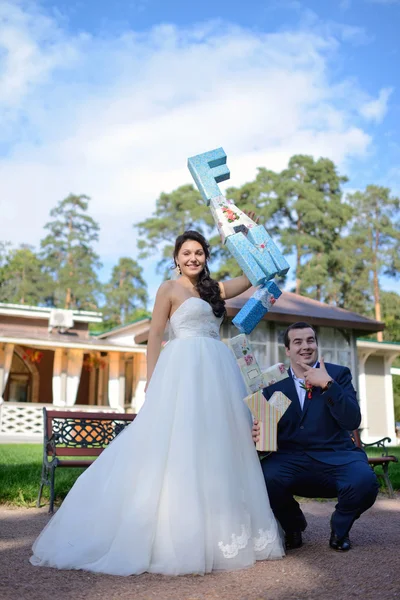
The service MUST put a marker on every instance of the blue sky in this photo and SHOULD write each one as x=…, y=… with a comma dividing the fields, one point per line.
x=110, y=98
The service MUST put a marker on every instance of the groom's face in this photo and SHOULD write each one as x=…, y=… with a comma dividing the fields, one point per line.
x=303, y=346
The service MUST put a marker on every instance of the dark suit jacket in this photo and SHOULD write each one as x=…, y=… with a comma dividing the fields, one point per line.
x=322, y=428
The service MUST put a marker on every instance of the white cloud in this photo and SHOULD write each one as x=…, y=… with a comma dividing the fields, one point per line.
x=375, y=110
x=117, y=118
x=384, y=1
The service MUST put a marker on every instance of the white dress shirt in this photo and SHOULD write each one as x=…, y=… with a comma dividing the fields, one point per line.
x=301, y=391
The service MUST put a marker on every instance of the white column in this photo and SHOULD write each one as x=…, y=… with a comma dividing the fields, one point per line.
x=59, y=377
x=362, y=390
x=388, y=398
x=116, y=381
x=73, y=375
x=140, y=395
x=6, y=354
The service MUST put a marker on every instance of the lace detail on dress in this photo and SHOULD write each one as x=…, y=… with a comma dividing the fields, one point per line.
x=194, y=318
x=238, y=543
x=264, y=539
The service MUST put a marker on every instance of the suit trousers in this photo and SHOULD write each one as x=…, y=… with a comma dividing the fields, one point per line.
x=354, y=484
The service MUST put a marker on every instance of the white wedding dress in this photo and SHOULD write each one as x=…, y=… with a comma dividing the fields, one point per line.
x=180, y=490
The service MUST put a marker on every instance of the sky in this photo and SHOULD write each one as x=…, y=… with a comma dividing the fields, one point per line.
x=109, y=99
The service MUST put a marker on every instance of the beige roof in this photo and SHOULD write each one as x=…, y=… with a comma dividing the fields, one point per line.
x=43, y=312
x=124, y=329
x=293, y=307
x=63, y=340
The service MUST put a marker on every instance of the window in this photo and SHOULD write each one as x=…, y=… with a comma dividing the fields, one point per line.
x=280, y=330
x=335, y=345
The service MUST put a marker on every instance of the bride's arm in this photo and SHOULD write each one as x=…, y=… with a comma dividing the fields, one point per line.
x=234, y=287
x=162, y=308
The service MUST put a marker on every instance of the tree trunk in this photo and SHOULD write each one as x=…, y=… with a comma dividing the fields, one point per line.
x=22, y=300
x=68, y=296
x=298, y=280
x=298, y=258
x=68, y=299
x=377, y=302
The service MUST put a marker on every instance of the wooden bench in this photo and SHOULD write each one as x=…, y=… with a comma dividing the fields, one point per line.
x=378, y=461
x=82, y=435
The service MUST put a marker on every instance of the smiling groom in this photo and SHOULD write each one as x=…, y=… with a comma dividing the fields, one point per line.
x=316, y=456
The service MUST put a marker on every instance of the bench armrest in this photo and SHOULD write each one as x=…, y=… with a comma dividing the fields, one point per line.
x=52, y=443
x=379, y=444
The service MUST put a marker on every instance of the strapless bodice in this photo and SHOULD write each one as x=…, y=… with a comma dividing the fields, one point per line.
x=194, y=318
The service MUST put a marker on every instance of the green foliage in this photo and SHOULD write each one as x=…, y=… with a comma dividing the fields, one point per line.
x=394, y=468
x=314, y=216
x=390, y=303
x=20, y=466
x=23, y=280
x=342, y=246
x=68, y=254
x=377, y=231
x=396, y=397
x=125, y=294
x=175, y=213
x=347, y=284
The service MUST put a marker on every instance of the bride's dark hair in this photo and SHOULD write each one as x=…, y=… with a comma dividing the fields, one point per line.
x=207, y=287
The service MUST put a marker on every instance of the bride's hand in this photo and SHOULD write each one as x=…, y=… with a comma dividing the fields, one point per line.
x=252, y=215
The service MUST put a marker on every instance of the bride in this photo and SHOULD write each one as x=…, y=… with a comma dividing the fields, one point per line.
x=180, y=490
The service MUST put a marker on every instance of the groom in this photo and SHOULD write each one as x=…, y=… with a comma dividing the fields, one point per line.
x=316, y=456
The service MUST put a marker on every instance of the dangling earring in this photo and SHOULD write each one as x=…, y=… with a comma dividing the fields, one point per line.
x=178, y=270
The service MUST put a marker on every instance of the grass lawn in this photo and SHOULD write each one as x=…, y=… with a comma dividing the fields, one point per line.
x=20, y=467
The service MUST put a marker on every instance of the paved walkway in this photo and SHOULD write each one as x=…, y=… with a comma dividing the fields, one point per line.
x=370, y=571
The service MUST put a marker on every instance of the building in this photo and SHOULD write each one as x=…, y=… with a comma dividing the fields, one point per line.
x=73, y=369
x=338, y=332
x=48, y=358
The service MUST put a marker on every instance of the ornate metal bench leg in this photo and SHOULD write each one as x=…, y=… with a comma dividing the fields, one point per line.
x=43, y=480
x=39, y=495
x=387, y=480
x=52, y=473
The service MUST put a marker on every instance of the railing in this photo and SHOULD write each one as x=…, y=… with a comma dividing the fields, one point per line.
x=24, y=421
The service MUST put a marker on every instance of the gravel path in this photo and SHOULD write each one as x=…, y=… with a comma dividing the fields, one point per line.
x=371, y=570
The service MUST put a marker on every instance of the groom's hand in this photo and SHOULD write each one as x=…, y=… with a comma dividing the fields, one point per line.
x=255, y=432
x=317, y=377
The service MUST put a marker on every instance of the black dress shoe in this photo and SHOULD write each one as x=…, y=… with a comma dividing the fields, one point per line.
x=293, y=539
x=340, y=544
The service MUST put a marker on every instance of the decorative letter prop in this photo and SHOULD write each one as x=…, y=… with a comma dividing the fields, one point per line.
x=229, y=218
x=256, y=307
x=254, y=378
x=258, y=266
x=208, y=170
x=249, y=243
x=268, y=415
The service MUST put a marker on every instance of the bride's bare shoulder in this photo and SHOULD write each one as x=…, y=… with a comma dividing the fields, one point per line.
x=167, y=290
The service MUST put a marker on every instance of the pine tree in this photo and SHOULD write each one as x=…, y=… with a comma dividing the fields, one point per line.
x=377, y=228
x=313, y=216
x=125, y=294
x=23, y=278
x=69, y=256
